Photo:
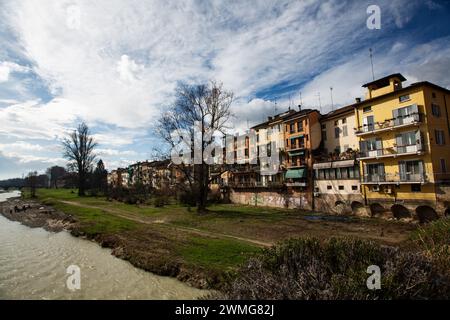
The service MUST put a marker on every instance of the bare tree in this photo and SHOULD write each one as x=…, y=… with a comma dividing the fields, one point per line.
x=31, y=182
x=79, y=150
x=55, y=174
x=207, y=108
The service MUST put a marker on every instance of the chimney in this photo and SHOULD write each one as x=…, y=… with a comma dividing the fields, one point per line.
x=299, y=107
x=358, y=100
x=270, y=118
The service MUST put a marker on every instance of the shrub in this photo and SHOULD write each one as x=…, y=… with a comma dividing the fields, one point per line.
x=187, y=197
x=433, y=240
x=337, y=269
x=160, y=201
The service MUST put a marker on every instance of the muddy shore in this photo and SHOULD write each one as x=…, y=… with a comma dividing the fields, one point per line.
x=141, y=248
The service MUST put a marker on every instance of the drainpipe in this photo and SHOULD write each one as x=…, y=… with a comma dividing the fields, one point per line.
x=446, y=114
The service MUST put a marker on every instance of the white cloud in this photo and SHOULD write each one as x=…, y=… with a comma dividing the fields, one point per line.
x=128, y=69
x=6, y=68
x=116, y=63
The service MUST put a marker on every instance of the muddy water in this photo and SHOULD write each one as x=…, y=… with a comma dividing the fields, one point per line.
x=34, y=262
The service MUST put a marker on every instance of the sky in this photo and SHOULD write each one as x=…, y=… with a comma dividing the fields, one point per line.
x=115, y=64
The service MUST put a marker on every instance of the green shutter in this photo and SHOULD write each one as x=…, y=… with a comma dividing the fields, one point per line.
x=296, y=174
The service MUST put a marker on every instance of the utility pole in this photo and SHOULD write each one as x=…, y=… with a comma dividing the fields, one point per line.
x=371, y=63
x=331, y=94
x=320, y=103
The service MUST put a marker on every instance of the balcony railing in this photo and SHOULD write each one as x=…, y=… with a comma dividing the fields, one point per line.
x=296, y=164
x=397, y=178
x=394, y=151
x=296, y=184
x=390, y=124
x=254, y=184
x=295, y=147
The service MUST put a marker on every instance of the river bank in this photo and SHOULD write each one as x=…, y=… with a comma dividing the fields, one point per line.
x=133, y=247
x=203, y=251
x=33, y=264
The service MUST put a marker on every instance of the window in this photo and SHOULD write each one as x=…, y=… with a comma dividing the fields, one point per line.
x=435, y=110
x=443, y=166
x=292, y=127
x=367, y=109
x=433, y=95
x=324, y=126
x=324, y=135
x=328, y=187
x=344, y=121
x=336, y=122
x=416, y=188
x=300, y=126
x=341, y=187
x=355, y=188
x=337, y=132
x=257, y=138
x=344, y=131
x=406, y=114
x=404, y=98
x=440, y=138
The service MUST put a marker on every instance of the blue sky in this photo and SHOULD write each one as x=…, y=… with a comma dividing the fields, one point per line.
x=115, y=64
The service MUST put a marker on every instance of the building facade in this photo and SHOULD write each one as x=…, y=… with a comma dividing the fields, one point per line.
x=337, y=187
x=404, y=134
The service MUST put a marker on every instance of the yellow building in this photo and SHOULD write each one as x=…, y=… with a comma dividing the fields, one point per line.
x=404, y=135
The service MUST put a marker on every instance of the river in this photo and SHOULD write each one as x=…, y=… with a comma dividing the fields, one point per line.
x=34, y=262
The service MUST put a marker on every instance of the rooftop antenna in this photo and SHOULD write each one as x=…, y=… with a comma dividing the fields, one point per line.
x=320, y=103
x=301, y=100
x=371, y=63
x=331, y=94
x=290, y=101
x=275, y=107
x=247, y=125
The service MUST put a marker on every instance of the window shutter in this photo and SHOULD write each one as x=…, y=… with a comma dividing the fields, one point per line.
x=413, y=109
x=381, y=171
x=395, y=114
x=363, y=146
x=402, y=170
x=421, y=170
x=379, y=146
x=419, y=140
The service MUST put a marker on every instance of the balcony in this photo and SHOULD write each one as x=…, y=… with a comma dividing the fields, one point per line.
x=395, y=151
x=254, y=184
x=414, y=119
x=296, y=184
x=397, y=178
x=295, y=147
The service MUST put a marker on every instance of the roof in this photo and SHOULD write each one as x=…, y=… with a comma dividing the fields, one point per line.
x=339, y=112
x=384, y=81
x=275, y=118
x=393, y=93
x=300, y=114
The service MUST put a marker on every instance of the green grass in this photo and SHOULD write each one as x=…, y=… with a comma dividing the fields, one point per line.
x=94, y=221
x=220, y=254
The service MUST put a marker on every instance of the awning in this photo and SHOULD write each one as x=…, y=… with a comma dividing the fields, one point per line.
x=296, y=153
x=296, y=174
x=297, y=136
x=323, y=165
x=344, y=164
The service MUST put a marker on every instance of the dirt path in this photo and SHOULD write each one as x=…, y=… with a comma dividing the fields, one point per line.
x=147, y=220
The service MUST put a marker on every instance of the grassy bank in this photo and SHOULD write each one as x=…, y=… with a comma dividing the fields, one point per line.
x=202, y=249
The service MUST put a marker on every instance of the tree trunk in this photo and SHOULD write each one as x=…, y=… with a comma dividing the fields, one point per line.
x=81, y=183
